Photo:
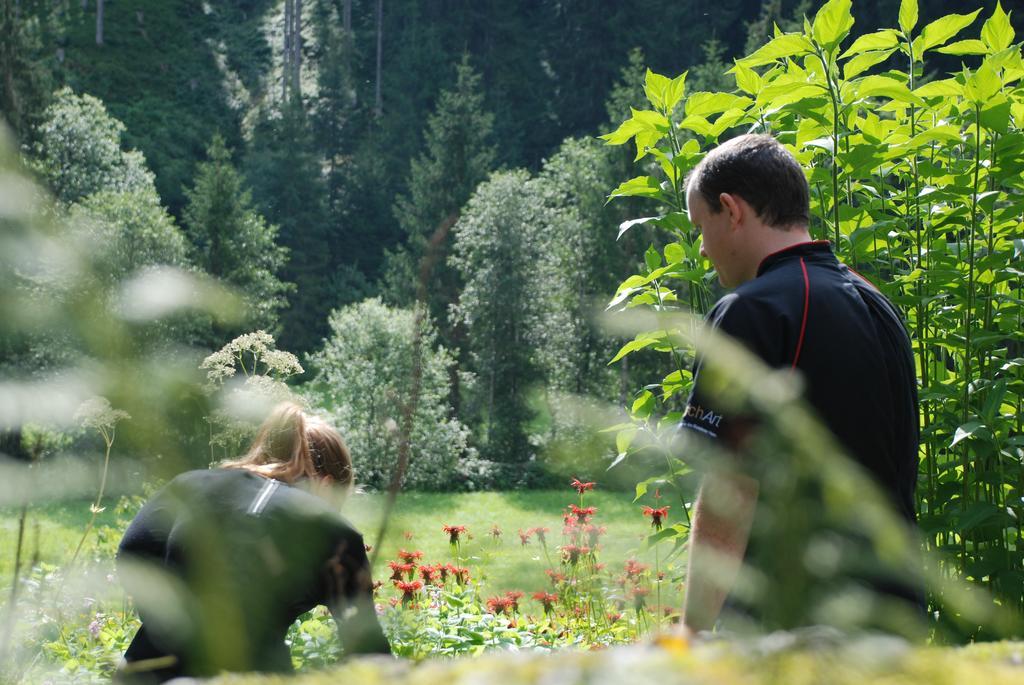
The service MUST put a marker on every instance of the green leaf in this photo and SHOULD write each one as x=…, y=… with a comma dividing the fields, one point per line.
x=652, y=258
x=624, y=438
x=626, y=130
x=704, y=104
x=979, y=514
x=886, y=39
x=651, y=120
x=783, y=45
x=643, y=405
x=983, y=83
x=941, y=30
x=967, y=430
x=873, y=86
x=641, y=186
x=997, y=33
x=908, y=15
x=646, y=141
x=626, y=225
x=995, y=115
x=964, y=47
x=862, y=63
x=655, y=86
x=674, y=253
x=949, y=87
x=727, y=121
x=642, y=340
x=832, y=23
x=675, y=92
x=747, y=79
x=698, y=125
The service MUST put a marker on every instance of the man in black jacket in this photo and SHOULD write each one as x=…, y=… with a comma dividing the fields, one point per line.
x=795, y=306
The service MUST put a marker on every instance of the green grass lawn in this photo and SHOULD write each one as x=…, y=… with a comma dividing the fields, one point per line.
x=500, y=564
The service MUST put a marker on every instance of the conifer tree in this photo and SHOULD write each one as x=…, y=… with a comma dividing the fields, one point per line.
x=458, y=156
x=231, y=241
x=24, y=81
x=284, y=170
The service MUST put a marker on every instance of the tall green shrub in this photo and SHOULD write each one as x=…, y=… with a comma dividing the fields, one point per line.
x=918, y=185
x=363, y=381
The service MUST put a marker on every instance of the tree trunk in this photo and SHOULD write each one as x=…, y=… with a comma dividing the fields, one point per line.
x=286, y=54
x=297, y=47
x=99, y=21
x=378, y=104
x=346, y=16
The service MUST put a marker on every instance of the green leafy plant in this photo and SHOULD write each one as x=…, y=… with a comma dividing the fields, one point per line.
x=918, y=186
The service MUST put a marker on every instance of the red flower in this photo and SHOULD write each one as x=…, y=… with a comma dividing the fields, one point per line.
x=547, y=599
x=399, y=569
x=409, y=557
x=409, y=590
x=461, y=573
x=428, y=573
x=453, y=533
x=555, y=576
x=657, y=515
x=541, y=534
x=614, y=616
x=499, y=605
x=495, y=531
x=572, y=553
x=582, y=487
x=634, y=568
x=593, y=533
x=525, y=537
x=582, y=514
x=513, y=596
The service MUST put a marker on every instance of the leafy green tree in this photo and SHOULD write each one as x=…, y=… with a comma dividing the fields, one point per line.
x=363, y=381
x=231, y=241
x=497, y=251
x=582, y=260
x=283, y=168
x=78, y=150
x=129, y=230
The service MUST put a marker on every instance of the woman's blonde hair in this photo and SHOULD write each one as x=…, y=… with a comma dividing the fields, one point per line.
x=291, y=445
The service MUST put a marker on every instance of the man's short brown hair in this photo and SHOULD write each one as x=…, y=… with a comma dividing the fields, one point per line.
x=761, y=171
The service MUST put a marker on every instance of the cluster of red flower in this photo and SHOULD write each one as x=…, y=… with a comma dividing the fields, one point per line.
x=657, y=516
x=408, y=590
x=631, y=582
x=582, y=487
x=541, y=533
x=453, y=533
x=505, y=604
x=547, y=600
x=405, y=569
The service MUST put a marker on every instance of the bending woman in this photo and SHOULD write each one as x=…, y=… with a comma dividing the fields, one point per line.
x=220, y=562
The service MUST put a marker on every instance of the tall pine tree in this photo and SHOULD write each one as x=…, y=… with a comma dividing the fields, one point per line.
x=458, y=156
x=231, y=241
x=284, y=170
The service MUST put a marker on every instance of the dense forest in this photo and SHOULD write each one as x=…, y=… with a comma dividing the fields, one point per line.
x=311, y=153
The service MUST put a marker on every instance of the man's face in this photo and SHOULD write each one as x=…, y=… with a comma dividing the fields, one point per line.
x=717, y=237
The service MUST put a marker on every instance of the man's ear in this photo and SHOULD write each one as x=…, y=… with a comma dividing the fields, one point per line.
x=733, y=205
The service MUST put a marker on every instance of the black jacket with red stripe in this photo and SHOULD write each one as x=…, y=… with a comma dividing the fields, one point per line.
x=808, y=311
